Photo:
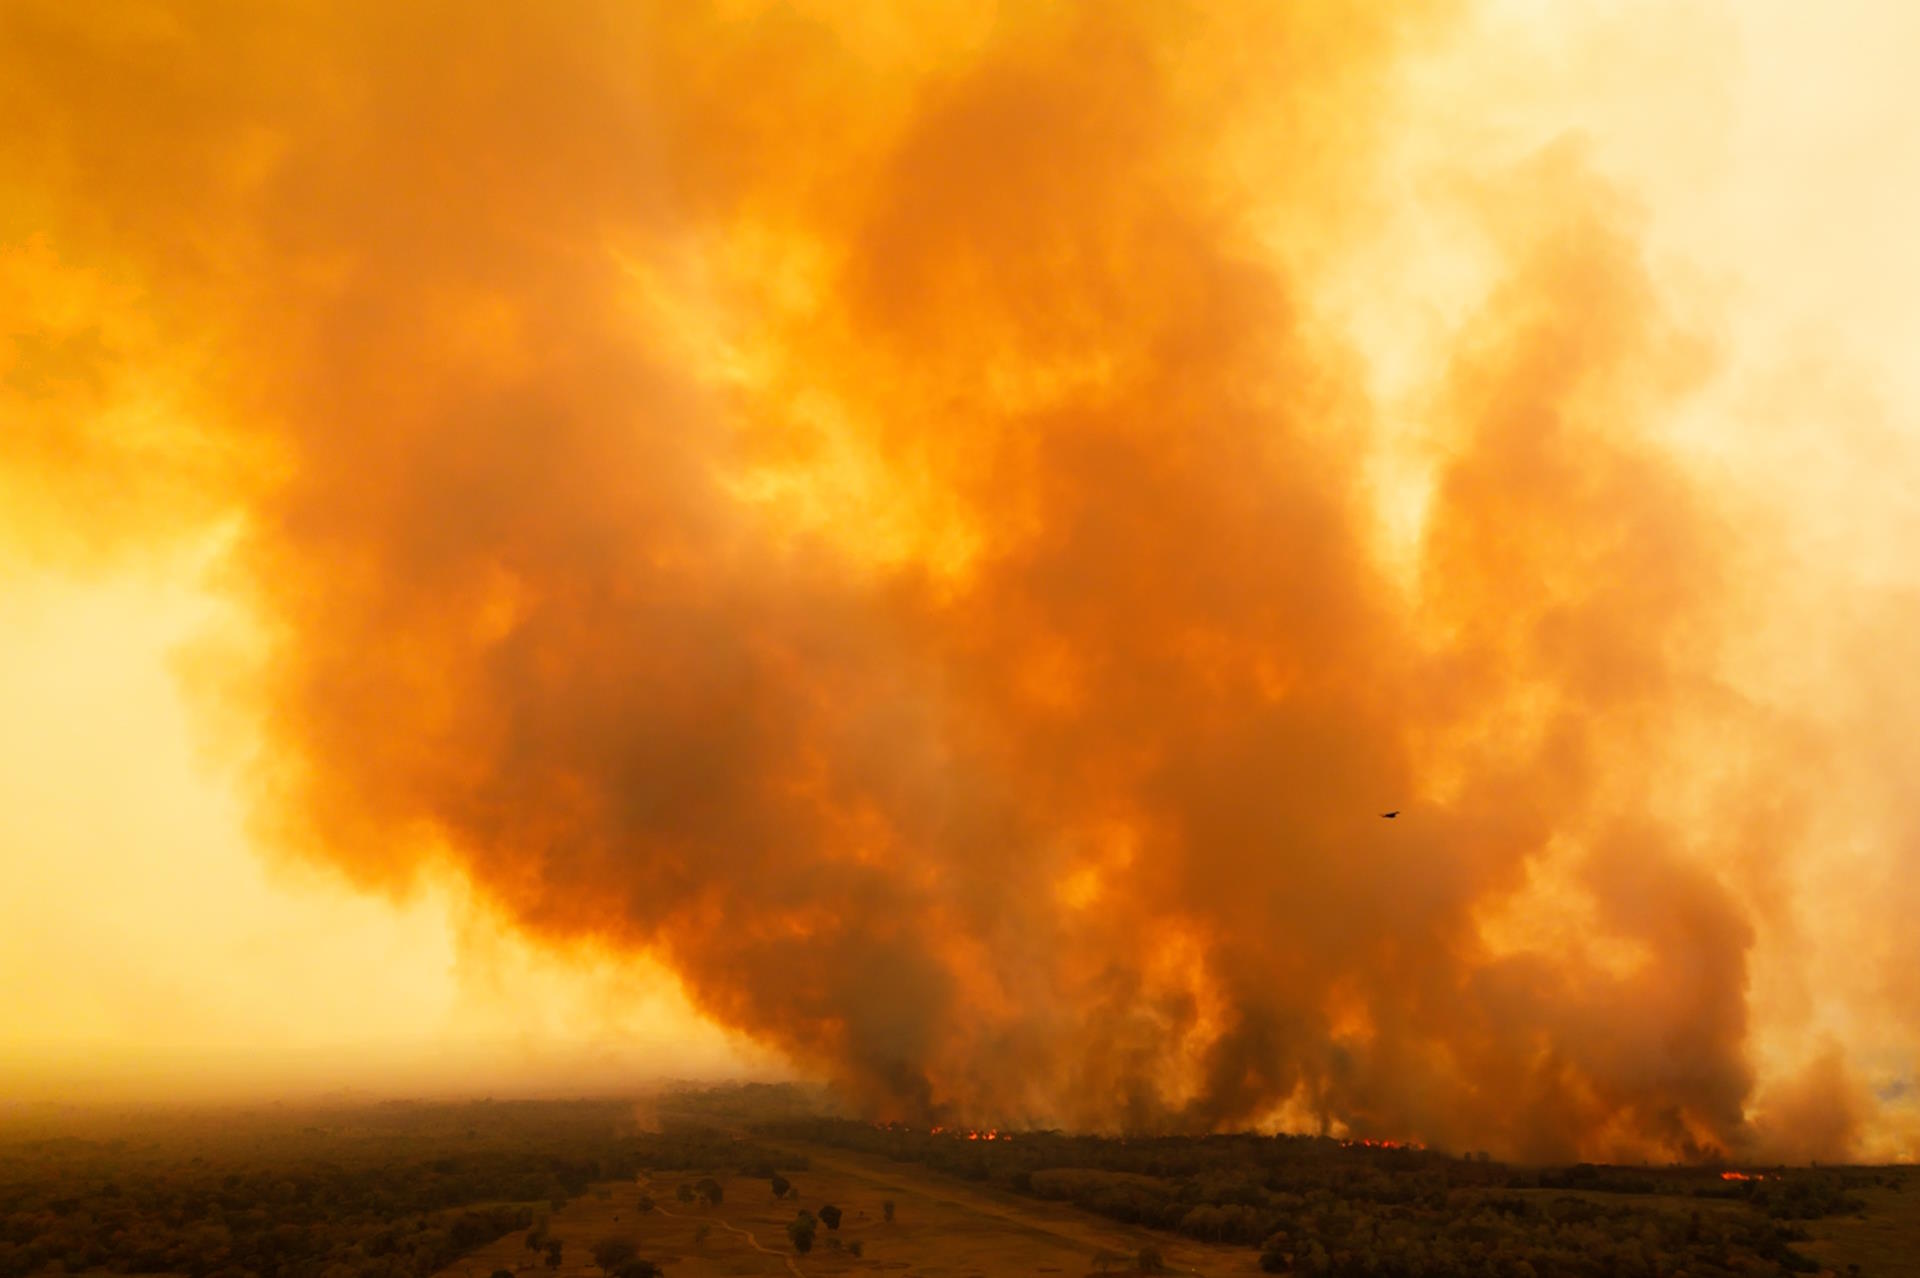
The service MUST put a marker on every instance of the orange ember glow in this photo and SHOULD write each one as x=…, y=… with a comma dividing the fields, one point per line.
x=972, y=1133
x=969, y=1133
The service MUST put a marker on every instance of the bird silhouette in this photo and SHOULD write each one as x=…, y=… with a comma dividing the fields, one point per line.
x=1390, y=815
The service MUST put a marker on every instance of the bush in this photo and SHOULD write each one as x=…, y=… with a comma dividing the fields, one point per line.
x=645, y=1204
x=886, y=1210
x=781, y=1185
x=640, y=1269
x=611, y=1253
x=831, y=1215
x=856, y=1247
x=800, y=1232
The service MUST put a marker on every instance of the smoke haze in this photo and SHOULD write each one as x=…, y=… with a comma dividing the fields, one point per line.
x=903, y=524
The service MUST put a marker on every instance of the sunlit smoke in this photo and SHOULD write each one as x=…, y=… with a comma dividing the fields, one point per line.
x=882, y=517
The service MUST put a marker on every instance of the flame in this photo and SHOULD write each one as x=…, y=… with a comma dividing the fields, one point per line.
x=970, y=1133
x=1375, y=1143
x=1738, y=1175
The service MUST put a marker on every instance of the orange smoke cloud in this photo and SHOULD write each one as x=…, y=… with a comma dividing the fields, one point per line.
x=876, y=515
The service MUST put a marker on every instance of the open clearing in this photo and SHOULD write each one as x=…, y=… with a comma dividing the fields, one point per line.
x=943, y=1228
x=948, y=1228
x=1885, y=1240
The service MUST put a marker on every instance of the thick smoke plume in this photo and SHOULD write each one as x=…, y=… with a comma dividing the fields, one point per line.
x=875, y=513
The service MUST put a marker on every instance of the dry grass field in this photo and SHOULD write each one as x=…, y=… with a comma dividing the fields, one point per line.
x=942, y=1229
x=1884, y=1239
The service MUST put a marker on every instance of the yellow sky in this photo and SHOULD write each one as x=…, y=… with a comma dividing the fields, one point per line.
x=150, y=950
x=151, y=944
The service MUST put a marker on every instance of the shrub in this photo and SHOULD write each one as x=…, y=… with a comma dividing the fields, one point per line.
x=831, y=1215
x=800, y=1232
x=611, y=1253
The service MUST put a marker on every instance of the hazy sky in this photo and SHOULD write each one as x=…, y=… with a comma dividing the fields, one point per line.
x=515, y=534
x=151, y=950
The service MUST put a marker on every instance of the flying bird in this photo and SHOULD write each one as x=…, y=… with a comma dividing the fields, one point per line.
x=1388, y=816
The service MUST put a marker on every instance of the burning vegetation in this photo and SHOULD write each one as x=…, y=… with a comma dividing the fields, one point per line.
x=1372, y=1207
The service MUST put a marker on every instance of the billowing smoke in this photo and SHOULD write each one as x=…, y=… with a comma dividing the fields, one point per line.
x=879, y=514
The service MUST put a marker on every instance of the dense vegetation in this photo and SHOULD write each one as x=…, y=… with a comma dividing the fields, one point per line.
x=1324, y=1207
x=398, y=1190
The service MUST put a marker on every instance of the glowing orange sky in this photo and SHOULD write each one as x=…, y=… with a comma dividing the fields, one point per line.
x=900, y=389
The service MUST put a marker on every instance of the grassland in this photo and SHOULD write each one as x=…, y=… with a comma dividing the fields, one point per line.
x=941, y=1229
x=1882, y=1238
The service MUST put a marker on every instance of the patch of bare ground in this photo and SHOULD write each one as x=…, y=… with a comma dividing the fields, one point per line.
x=942, y=1228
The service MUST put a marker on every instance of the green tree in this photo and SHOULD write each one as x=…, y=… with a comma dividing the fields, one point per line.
x=831, y=1215
x=800, y=1232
